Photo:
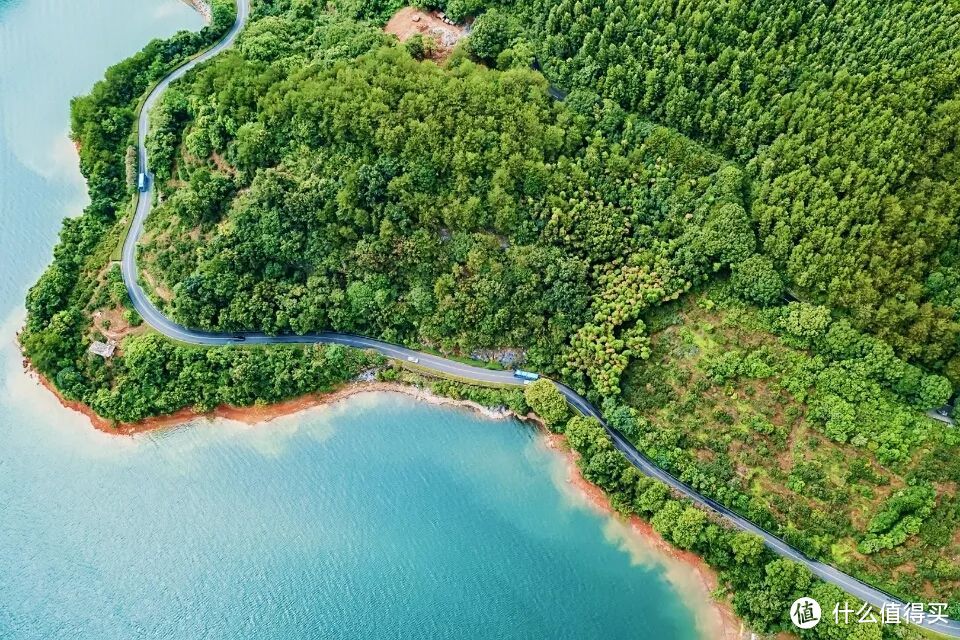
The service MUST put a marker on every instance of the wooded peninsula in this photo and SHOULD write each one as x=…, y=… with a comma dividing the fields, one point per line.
x=731, y=225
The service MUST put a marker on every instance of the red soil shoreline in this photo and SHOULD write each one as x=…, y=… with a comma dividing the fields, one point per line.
x=263, y=413
x=729, y=626
x=725, y=624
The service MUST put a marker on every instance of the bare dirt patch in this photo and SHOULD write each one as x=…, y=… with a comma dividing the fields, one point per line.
x=221, y=164
x=410, y=21
x=113, y=325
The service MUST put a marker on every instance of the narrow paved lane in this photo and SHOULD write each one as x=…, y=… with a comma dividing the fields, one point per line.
x=164, y=325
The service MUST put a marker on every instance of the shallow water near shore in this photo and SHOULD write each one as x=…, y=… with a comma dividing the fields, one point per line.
x=378, y=517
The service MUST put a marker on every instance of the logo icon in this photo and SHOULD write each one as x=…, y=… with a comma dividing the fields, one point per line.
x=805, y=613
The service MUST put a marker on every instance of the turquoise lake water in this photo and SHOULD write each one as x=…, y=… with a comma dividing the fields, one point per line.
x=376, y=518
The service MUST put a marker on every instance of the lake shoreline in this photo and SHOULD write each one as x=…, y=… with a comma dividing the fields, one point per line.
x=718, y=616
x=202, y=7
x=262, y=414
x=88, y=508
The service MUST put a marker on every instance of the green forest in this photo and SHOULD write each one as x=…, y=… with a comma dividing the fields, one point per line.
x=456, y=208
x=844, y=115
x=736, y=231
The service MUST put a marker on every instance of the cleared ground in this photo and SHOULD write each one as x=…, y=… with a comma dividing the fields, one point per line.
x=410, y=21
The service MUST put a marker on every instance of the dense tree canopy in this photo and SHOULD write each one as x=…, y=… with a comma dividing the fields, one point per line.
x=548, y=403
x=461, y=208
x=149, y=376
x=844, y=113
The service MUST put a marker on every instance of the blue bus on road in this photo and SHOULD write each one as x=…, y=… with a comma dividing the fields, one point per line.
x=525, y=375
x=142, y=182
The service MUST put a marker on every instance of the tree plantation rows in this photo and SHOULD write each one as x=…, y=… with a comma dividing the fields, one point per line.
x=805, y=426
x=844, y=115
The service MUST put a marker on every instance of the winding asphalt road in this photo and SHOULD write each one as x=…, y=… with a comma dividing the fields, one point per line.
x=164, y=325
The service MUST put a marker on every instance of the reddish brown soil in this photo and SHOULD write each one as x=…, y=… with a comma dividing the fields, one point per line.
x=119, y=327
x=258, y=414
x=410, y=21
x=222, y=164
x=724, y=624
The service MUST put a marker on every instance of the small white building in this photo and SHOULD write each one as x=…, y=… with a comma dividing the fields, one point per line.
x=103, y=349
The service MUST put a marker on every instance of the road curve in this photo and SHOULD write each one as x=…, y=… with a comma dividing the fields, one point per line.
x=153, y=317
